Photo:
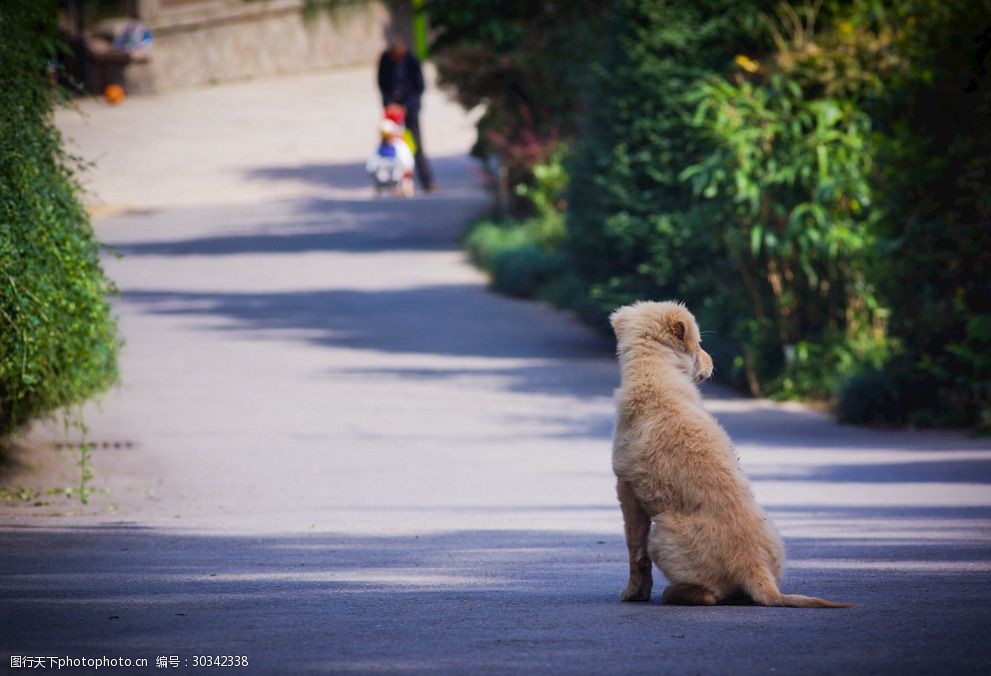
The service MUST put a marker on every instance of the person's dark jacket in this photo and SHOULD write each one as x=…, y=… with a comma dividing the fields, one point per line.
x=401, y=83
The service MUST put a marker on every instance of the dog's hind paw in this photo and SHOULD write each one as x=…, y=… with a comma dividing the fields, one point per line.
x=683, y=594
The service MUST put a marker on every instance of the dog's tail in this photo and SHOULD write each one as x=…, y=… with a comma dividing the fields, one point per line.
x=799, y=601
x=764, y=591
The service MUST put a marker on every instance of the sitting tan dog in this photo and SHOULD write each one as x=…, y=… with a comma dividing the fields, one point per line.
x=676, y=466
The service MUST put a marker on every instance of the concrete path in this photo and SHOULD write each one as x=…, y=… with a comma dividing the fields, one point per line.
x=333, y=450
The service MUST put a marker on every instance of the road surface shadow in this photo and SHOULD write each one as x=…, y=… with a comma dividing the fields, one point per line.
x=563, y=359
x=506, y=601
x=765, y=424
x=450, y=172
x=350, y=221
x=596, y=379
x=341, y=225
x=936, y=470
x=453, y=319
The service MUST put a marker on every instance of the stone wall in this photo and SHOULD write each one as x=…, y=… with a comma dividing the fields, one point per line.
x=197, y=42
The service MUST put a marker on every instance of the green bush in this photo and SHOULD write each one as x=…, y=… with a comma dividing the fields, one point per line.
x=525, y=257
x=934, y=188
x=789, y=171
x=526, y=271
x=812, y=179
x=636, y=229
x=525, y=62
x=58, y=339
x=516, y=255
x=870, y=397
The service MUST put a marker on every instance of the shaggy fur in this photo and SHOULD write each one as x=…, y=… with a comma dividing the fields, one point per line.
x=676, y=467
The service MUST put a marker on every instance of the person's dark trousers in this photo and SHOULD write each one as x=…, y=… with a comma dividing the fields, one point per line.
x=422, y=165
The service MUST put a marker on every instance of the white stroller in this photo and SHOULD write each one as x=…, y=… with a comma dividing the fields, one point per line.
x=391, y=167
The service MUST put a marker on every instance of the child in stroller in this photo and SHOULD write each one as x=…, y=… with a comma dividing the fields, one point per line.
x=391, y=167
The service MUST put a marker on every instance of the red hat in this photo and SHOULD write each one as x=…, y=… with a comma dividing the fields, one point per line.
x=396, y=113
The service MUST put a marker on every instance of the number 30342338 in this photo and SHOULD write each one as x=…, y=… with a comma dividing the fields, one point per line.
x=220, y=660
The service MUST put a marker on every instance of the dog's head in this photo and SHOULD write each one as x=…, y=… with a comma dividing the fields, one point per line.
x=667, y=330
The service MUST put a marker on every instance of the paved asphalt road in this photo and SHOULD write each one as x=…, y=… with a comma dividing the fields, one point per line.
x=334, y=450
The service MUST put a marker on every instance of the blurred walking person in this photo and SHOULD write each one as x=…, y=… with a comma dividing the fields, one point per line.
x=400, y=80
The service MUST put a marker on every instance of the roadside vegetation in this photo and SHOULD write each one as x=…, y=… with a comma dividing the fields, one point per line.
x=811, y=179
x=58, y=338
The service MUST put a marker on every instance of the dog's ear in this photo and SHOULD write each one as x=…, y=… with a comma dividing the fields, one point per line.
x=678, y=328
x=620, y=318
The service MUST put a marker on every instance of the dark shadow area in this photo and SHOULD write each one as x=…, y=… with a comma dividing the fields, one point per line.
x=456, y=320
x=801, y=431
x=463, y=601
x=975, y=470
x=862, y=514
x=348, y=176
x=352, y=223
x=768, y=426
x=13, y=458
x=450, y=172
x=594, y=379
x=351, y=226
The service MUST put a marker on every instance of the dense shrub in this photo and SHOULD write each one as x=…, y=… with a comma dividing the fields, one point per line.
x=934, y=189
x=524, y=257
x=870, y=397
x=812, y=179
x=635, y=227
x=790, y=171
x=58, y=340
x=526, y=63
